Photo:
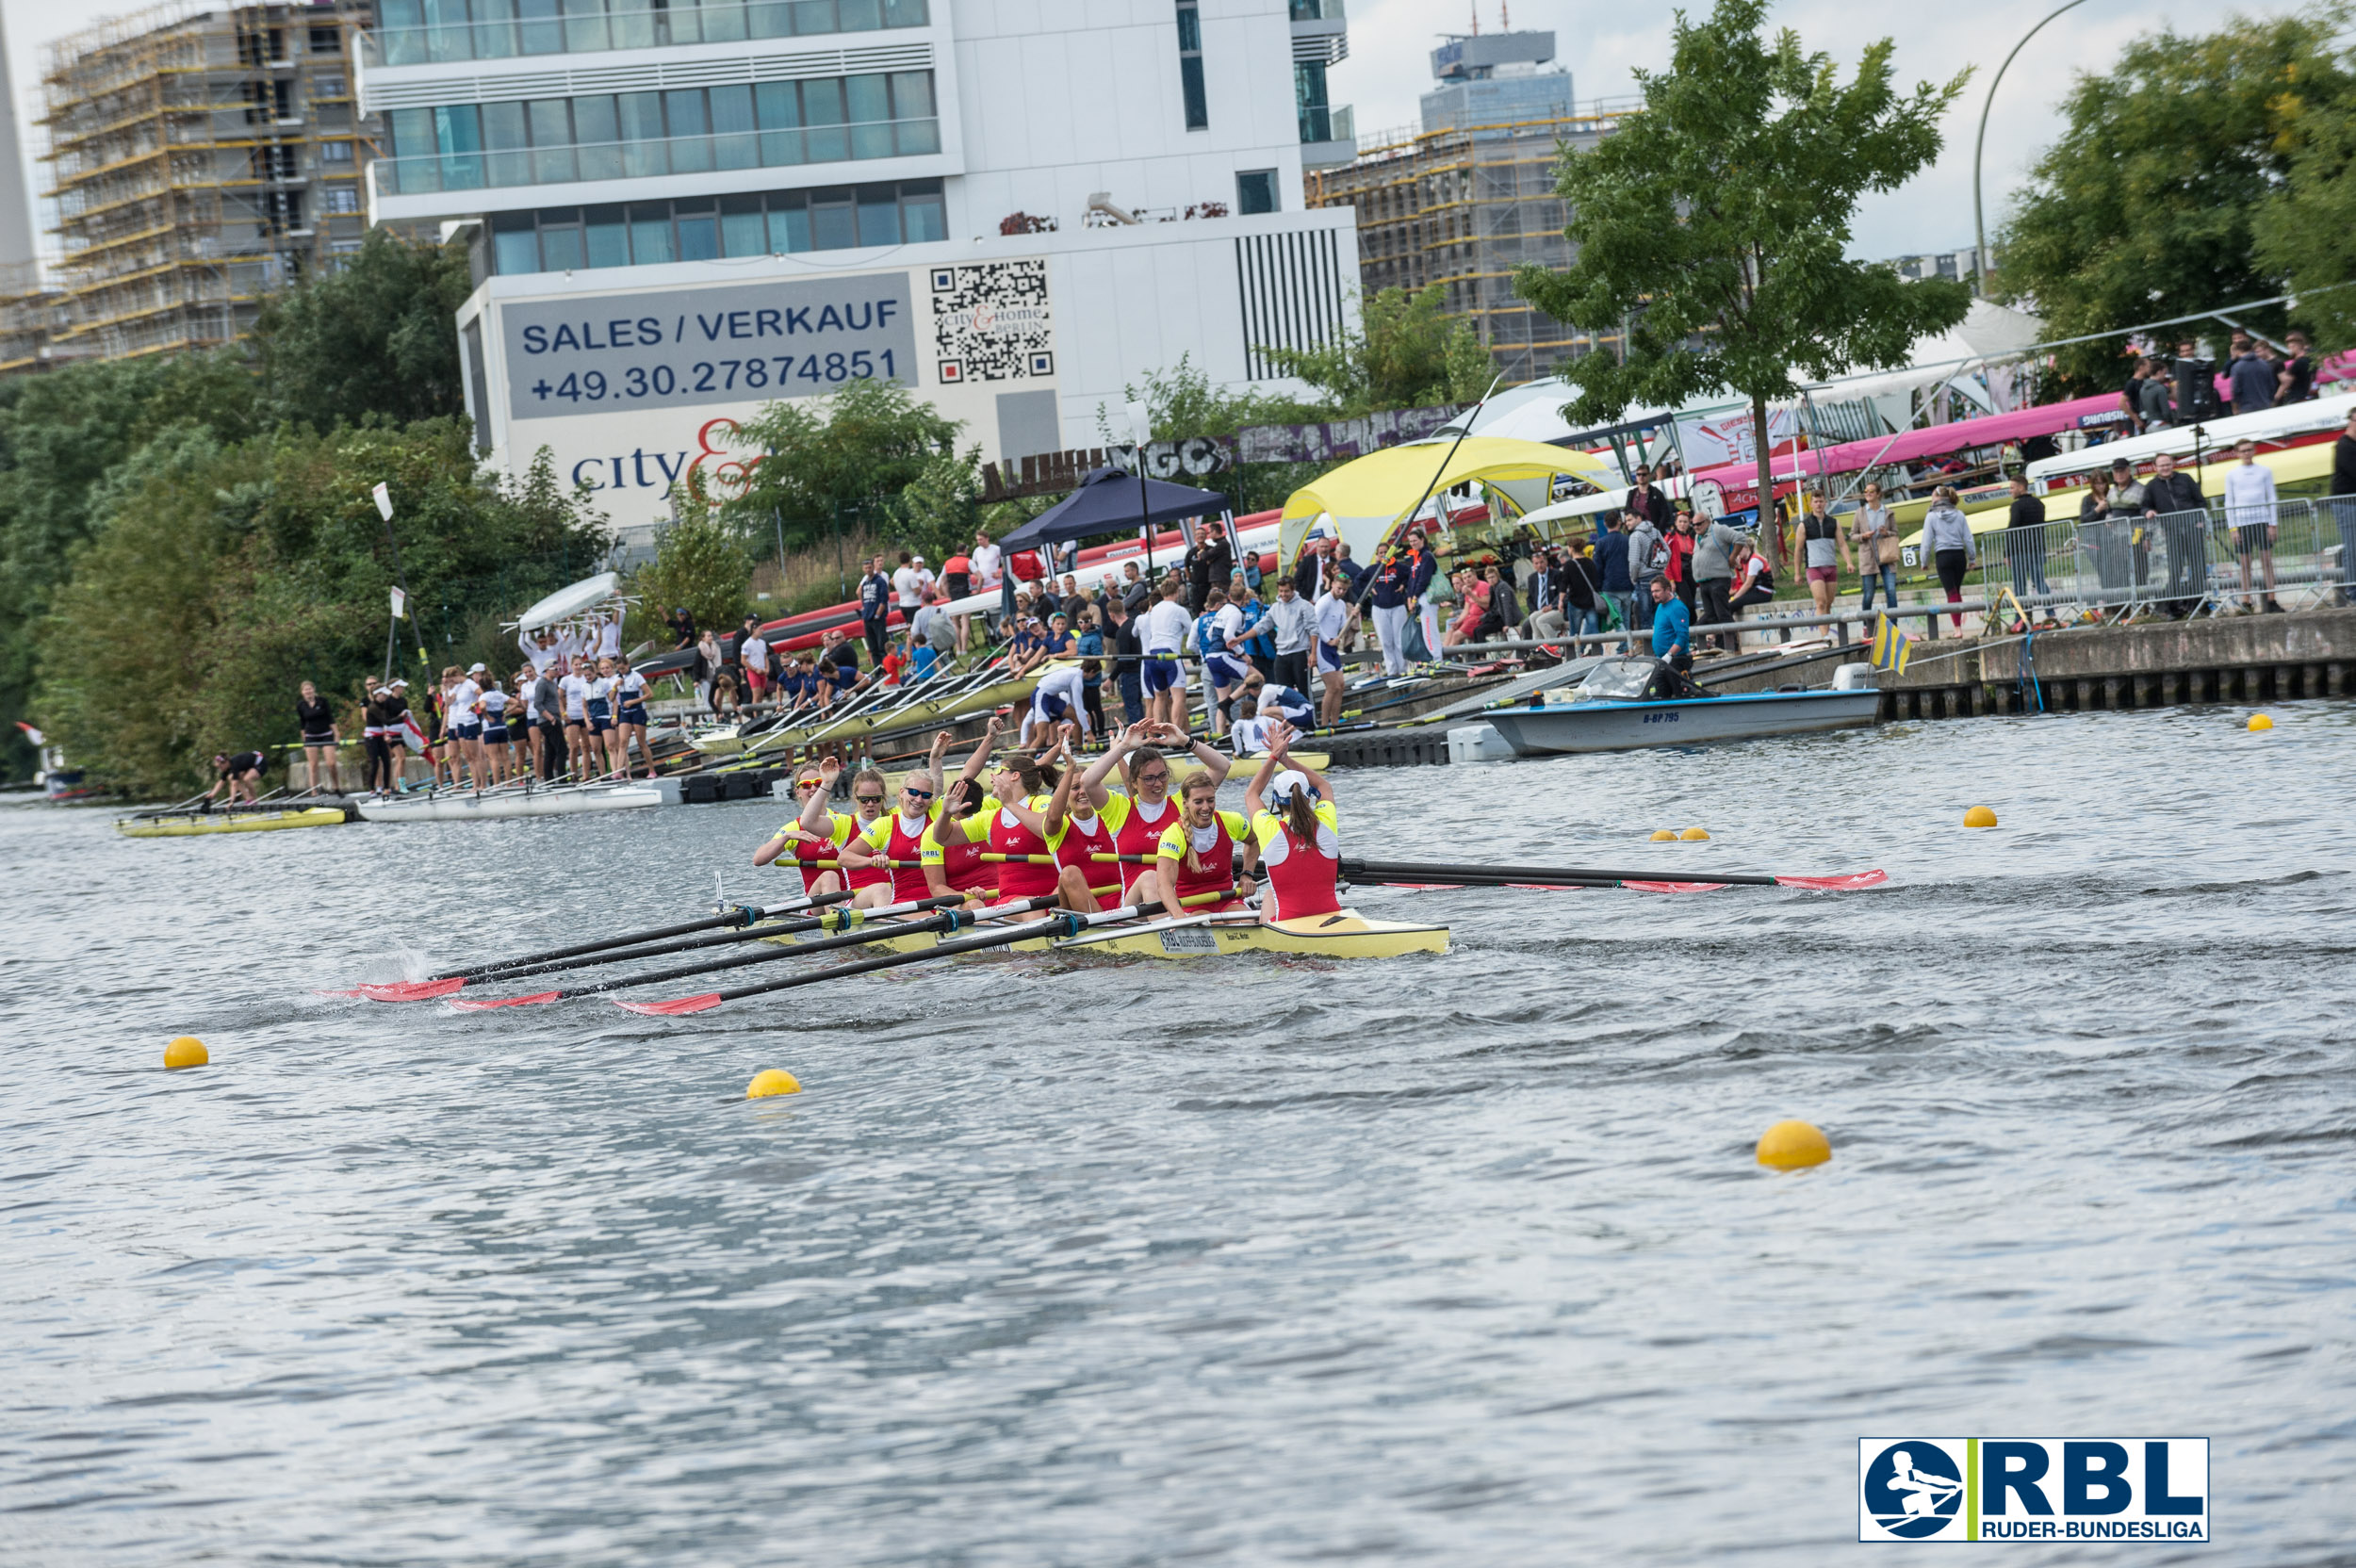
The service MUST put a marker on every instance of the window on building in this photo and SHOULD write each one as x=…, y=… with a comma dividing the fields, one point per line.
x=1255, y=191
x=340, y=199
x=1190, y=65
x=327, y=41
x=421, y=32
x=704, y=228
x=1317, y=119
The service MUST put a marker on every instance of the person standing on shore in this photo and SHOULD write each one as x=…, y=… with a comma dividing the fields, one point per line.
x=1875, y=531
x=2343, y=505
x=1611, y=567
x=874, y=608
x=2249, y=512
x=1947, y=540
x=1647, y=557
x=2024, y=540
x=2174, y=502
x=321, y=737
x=1714, y=548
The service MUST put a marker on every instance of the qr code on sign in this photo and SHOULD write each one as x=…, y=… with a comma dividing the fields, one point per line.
x=991, y=321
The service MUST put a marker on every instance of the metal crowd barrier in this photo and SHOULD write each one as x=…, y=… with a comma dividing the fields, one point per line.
x=2214, y=561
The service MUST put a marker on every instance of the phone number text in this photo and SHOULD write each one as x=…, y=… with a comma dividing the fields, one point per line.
x=720, y=375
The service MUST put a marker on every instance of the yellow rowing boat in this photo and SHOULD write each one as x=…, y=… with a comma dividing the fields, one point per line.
x=195, y=823
x=1343, y=935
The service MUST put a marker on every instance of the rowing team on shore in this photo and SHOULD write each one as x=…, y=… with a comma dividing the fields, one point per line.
x=587, y=713
x=1043, y=828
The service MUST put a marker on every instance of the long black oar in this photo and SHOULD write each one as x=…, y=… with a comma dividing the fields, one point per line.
x=833, y=919
x=1062, y=923
x=872, y=929
x=443, y=985
x=1466, y=875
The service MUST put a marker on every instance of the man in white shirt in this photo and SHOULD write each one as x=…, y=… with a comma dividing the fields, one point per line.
x=753, y=653
x=925, y=578
x=1163, y=639
x=1059, y=696
x=987, y=560
x=2249, y=511
x=1333, y=609
x=907, y=587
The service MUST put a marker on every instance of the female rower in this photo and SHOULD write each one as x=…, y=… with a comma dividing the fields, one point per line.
x=895, y=842
x=574, y=684
x=601, y=706
x=1196, y=859
x=1015, y=826
x=955, y=865
x=818, y=832
x=1145, y=812
x=492, y=703
x=630, y=717
x=320, y=738
x=1076, y=835
x=1297, y=831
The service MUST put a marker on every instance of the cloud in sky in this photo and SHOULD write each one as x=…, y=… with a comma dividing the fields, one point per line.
x=1389, y=68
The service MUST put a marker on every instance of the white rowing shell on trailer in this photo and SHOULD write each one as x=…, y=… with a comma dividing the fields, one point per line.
x=564, y=800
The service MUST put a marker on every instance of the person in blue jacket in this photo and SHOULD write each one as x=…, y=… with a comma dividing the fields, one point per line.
x=1619, y=588
x=1399, y=583
x=1672, y=627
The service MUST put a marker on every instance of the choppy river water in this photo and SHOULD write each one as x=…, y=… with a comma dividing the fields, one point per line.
x=1458, y=1260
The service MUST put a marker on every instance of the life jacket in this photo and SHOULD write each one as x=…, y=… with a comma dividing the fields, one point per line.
x=1079, y=849
x=1017, y=880
x=1137, y=836
x=1298, y=875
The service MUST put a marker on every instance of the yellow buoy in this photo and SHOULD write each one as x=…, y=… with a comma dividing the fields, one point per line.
x=1695, y=835
x=772, y=1079
x=2259, y=721
x=187, y=1051
x=1979, y=816
x=1664, y=836
x=1791, y=1145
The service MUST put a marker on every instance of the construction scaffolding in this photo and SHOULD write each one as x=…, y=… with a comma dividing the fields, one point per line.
x=199, y=157
x=1461, y=207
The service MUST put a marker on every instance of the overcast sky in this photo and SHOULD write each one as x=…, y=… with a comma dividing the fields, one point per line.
x=1389, y=68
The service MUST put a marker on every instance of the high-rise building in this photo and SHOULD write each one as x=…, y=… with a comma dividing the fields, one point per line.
x=684, y=210
x=1463, y=202
x=199, y=157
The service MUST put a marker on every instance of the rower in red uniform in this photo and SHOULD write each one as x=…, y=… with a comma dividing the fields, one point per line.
x=820, y=832
x=957, y=865
x=1015, y=826
x=1297, y=830
x=1196, y=858
x=1145, y=812
x=1077, y=834
x=898, y=841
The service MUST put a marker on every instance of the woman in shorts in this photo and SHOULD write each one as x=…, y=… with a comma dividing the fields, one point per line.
x=1826, y=552
x=320, y=738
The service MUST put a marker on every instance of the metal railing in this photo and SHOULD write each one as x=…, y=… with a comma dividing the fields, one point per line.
x=413, y=175
x=2218, y=560
x=541, y=28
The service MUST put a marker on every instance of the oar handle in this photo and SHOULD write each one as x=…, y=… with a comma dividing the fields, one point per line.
x=1123, y=859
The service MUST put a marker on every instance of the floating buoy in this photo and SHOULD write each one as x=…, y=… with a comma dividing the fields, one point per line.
x=2259, y=721
x=186, y=1051
x=1664, y=836
x=1695, y=835
x=1979, y=816
x=1793, y=1145
x=769, y=1081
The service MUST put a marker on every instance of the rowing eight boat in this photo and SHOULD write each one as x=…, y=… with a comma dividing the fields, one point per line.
x=1343, y=935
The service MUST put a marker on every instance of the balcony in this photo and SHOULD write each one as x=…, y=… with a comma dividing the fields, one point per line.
x=1321, y=31
x=424, y=174
x=1327, y=135
x=512, y=29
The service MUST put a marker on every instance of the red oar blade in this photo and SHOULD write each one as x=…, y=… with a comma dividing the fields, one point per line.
x=672, y=1008
x=317, y=992
x=488, y=1003
x=411, y=990
x=1675, y=887
x=1837, y=884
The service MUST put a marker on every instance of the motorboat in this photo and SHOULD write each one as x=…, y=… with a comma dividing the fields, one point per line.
x=1627, y=703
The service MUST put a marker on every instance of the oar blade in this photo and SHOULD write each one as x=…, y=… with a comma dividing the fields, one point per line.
x=673, y=1008
x=411, y=990
x=486, y=1003
x=1675, y=887
x=1837, y=884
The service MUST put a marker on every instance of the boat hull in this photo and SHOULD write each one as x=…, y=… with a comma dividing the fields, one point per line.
x=560, y=802
x=1344, y=935
x=200, y=824
x=1566, y=728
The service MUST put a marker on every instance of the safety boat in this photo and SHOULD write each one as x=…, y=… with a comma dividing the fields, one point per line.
x=1625, y=704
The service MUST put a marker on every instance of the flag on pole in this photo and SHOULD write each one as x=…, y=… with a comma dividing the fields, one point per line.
x=401, y=602
x=1891, y=646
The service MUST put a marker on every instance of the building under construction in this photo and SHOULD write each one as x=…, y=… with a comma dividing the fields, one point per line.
x=199, y=158
x=1470, y=197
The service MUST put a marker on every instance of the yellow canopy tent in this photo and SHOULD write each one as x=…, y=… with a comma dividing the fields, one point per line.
x=1363, y=500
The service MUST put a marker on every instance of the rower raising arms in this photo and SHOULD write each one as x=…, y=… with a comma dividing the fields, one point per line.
x=817, y=832
x=897, y=841
x=1014, y=823
x=1076, y=835
x=1297, y=831
x=1139, y=818
x=1197, y=852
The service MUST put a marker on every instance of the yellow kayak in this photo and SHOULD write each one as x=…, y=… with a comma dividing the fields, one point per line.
x=190, y=825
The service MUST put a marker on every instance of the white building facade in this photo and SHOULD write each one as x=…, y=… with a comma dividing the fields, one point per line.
x=681, y=212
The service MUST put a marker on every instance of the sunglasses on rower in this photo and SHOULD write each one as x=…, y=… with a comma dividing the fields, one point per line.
x=869, y=800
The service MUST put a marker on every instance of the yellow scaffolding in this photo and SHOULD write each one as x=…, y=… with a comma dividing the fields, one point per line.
x=186, y=170
x=1460, y=208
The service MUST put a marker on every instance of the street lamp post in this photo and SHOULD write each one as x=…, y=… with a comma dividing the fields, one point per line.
x=1979, y=220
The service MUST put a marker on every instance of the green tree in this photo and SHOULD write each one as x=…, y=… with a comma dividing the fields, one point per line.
x=2147, y=205
x=1181, y=402
x=376, y=337
x=701, y=565
x=2305, y=228
x=1715, y=220
x=1407, y=354
x=858, y=449
x=939, y=510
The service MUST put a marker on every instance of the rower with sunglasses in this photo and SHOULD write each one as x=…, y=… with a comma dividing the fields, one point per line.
x=818, y=834
x=898, y=840
x=1140, y=814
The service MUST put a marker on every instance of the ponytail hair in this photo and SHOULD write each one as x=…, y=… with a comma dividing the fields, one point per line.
x=1300, y=816
x=1039, y=779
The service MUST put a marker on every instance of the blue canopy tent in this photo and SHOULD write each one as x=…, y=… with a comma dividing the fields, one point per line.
x=1108, y=503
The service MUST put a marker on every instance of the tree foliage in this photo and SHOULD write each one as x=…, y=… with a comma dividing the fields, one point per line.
x=699, y=565
x=852, y=452
x=1716, y=224
x=1406, y=354
x=2305, y=227
x=2148, y=205
x=376, y=339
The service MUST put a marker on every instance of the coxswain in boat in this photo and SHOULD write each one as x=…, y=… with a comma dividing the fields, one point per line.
x=240, y=775
x=896, y=839
x=1197, y=855
x=1059, y=696
x=1296, y=832
x=1143, y=812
